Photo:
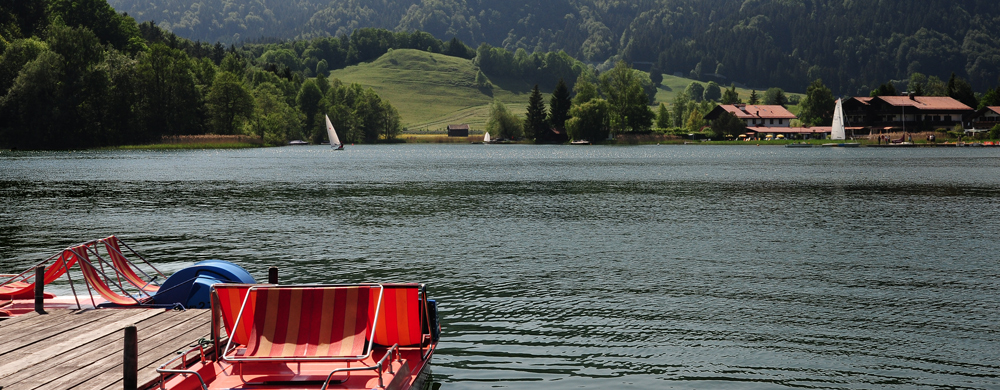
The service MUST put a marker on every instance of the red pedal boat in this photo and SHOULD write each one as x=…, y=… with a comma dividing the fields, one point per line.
x=363, y=336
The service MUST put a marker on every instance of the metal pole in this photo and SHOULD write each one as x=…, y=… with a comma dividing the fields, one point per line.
x=40, y=289
x=130, y=370
x=272, y=275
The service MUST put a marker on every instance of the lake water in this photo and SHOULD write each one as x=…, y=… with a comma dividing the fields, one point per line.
x=585, y=267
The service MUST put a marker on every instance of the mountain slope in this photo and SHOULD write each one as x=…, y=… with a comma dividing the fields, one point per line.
x=853, y=45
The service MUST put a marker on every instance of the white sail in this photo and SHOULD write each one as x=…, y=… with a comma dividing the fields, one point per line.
x=838, y=131
x=486, y=137
x=334, y=140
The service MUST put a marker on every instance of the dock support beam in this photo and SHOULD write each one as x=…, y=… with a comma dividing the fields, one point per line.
x=130, y=368
x=272, y=275
x=40, y=289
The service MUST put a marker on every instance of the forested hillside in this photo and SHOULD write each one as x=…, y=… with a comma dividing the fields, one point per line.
x=854, y=46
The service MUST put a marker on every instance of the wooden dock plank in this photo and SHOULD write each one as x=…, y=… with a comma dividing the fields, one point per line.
x=29, y=335
x=93, y=350
x=85, y=350
x=158, y=350
x=74, y=336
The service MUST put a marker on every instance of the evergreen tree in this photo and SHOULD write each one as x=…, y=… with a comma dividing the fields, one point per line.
x=559, y=105
x=535, y=123
x=663, y=117
x=775, y=96
x=754, y=99
x=730, y=96
x=960, y=90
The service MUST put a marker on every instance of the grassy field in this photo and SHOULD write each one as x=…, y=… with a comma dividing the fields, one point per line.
x=432, y=91
x=672, y=85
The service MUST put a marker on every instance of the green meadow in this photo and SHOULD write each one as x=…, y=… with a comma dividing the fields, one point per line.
x=431, y=91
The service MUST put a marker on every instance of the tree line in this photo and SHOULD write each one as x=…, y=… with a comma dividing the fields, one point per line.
x=853, y=45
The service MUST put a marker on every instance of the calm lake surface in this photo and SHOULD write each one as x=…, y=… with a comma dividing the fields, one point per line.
x=584, y=267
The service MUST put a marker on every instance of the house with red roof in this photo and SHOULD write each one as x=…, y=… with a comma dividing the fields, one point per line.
x=910, y=113
x=984, y=118
x=768, y=120
x=755, y=115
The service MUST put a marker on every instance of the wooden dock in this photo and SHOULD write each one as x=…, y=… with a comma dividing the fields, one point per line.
x=74, y=349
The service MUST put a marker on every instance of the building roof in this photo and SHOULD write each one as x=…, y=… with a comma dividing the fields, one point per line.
x=458, y=127
x=941, y=103
x=751, y=111
x=787, y=130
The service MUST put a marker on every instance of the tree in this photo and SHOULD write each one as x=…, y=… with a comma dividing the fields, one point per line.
x=228, y=103
x=730, y=96
x=585, y=90
x=272, y=117
x=818, y=105
x=886, y=89
x=170, y=102
x=696, y=121
x=628, y=100
x=916, y=84
x=502, y=123
x=990, y=98
x=308, y=100
x=663, y=117
x=713, y=92
x=695, y=91
x=679, y=108
x=754, y=99
x=728, y=124
x=590, y=121
x=535, y=123
x=960, y=90
x=559, y=105
x=775, y=96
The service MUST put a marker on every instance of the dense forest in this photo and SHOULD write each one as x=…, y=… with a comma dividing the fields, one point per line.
x=854, y=46
x=77, y=74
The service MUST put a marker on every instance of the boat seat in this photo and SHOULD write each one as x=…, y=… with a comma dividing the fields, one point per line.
x=300, y=323
x=399, y=320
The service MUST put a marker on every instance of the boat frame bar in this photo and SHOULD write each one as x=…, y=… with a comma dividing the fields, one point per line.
x=183, y=356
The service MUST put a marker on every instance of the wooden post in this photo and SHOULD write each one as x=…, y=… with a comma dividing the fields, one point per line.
x=272, y=275
x=40, y=289
x=130, y=370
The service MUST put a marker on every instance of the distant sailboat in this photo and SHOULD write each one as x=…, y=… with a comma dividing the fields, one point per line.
x=838, y=132
x=334, y=140
x=486, y=138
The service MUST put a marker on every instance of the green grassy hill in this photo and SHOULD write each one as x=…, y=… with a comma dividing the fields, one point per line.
x=432, y=91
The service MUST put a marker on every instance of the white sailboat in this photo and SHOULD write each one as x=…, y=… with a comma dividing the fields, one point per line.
x=838, y=132
x=486, y=138
x=334, y=139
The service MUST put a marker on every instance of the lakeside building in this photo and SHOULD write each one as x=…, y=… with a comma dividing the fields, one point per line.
x=983, y=119
x=765, y=121
x=868, y=115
